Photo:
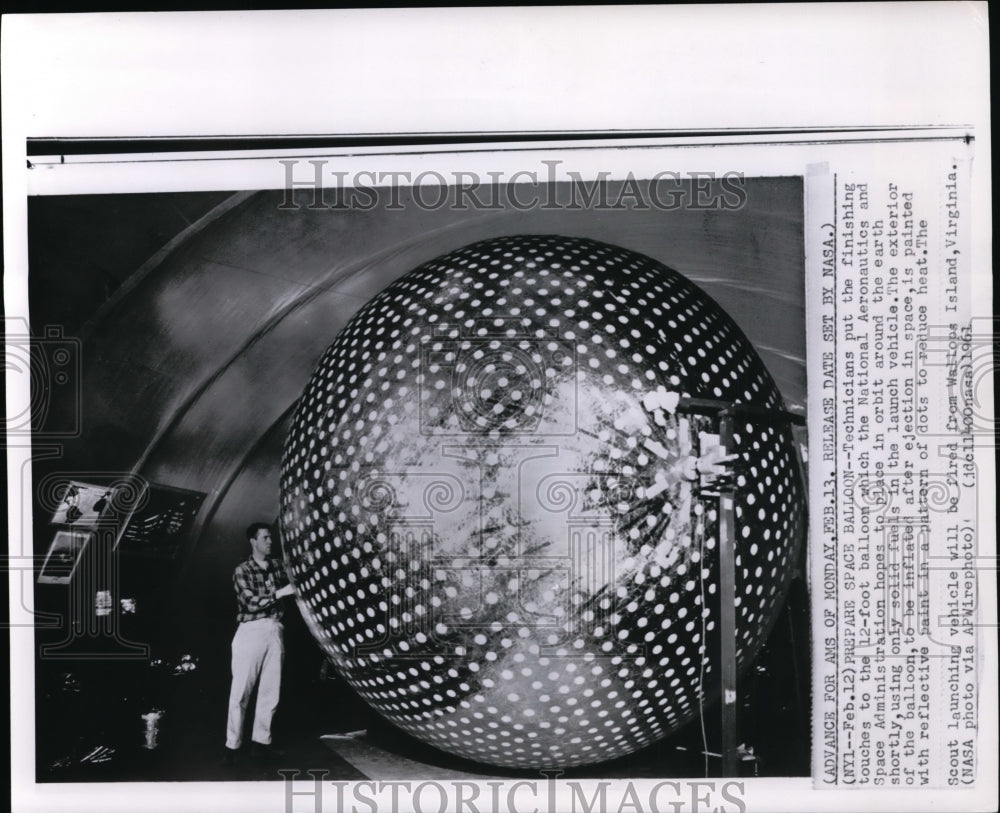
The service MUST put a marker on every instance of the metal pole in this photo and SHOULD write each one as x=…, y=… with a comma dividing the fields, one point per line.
x=727, y=608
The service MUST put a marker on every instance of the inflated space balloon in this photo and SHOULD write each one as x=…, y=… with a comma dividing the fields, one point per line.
x=493, y=508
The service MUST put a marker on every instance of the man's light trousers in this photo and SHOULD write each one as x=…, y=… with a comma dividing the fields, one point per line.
x=258, y=652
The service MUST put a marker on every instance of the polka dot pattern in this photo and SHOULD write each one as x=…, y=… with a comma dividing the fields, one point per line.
x=490, y=507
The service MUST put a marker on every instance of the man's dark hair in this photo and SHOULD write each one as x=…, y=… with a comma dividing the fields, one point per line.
x=256, y=527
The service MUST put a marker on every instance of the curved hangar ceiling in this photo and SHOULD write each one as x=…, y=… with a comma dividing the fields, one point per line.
x=191, y=370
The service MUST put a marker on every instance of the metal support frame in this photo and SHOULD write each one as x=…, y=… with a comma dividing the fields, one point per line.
x=726, y=413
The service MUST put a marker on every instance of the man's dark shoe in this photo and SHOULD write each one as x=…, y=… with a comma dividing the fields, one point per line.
x=265, y=753
x=228, y=756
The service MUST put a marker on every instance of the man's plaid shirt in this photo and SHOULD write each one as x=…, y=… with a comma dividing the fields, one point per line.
x=255, y=589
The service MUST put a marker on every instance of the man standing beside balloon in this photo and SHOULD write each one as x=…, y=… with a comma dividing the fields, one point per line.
x=258, y=649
